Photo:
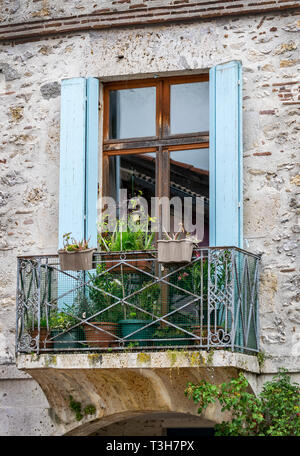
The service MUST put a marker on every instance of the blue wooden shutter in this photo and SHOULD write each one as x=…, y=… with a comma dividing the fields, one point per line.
x=78, y=170
x=91, y=188
x=72, y=158
x=78, y=159
x=225, y=155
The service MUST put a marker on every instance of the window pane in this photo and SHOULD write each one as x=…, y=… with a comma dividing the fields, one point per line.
x=190, y=179
x=189, y=108
x=134, y=173
x=197, y=158
x=132, y=113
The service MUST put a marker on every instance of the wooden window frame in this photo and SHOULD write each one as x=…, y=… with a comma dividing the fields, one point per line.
x=163, y=142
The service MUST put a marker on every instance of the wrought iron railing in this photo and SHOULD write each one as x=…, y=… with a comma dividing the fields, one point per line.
x=130, y=301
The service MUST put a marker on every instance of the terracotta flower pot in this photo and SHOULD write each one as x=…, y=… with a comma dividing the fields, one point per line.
x=76, y=261
x=101, y=339
x=44, y=334
x=139, y=260
x=174, y=251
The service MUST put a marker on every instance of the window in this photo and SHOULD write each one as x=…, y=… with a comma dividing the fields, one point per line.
x=79, y=136
x=156, y=140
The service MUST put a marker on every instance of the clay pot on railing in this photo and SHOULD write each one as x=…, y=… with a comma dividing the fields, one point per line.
x=140, y=260
x=174, y=250
x=81, y=260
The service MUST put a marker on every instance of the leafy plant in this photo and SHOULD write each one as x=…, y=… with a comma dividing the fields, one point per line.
x=274, y=412
x=32, y=322
x=89, y=410
x=136, y=236
x=74, y=246
x=105, y=289
x=194, y=279
x=61, y=321
x=132, y=344
x=168, y=332
x=181, y=232
x=100, y=300
x=75, y=406
x=148, y=299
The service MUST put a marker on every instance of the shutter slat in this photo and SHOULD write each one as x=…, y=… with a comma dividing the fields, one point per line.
x=92, y=160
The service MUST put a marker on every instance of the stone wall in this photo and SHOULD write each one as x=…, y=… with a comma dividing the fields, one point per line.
x=18, y=11
x=30, y=75
x=37, y=18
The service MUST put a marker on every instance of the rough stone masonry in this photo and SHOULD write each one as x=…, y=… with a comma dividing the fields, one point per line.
x=268, y=45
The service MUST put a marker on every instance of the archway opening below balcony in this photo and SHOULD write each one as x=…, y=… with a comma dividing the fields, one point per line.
x=168, y=424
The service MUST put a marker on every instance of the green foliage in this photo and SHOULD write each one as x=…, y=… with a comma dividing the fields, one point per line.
x=195, y=278
x=32, y=322
x=89, y=410
x=99, y=300
x=168, y=332
x=76, y=408
x=130, y=235
x=61, y=320
x=74, y=246
x=148, y=299
x=275, y=412
x=132, y=344
x=261, y=358
x=109, y=286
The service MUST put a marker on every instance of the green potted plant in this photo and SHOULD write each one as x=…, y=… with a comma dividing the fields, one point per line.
x=75, y=255
x=61, y=335
x=170, y=334
x=98, y=301
x=135, y=238
x=147, y=299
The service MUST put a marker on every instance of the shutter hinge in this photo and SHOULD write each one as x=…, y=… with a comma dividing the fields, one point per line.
x=84, y=217
x=239, y=82
x=239, y=204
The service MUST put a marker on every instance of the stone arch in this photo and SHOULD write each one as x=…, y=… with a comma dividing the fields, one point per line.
x=137, y=421
x=120, y=394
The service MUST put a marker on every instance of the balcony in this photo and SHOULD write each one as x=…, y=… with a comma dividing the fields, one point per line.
x=130, y=302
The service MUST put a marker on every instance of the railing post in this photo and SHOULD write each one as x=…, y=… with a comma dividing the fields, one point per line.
x=233, y=324
x=208, y=296
x=257, y=305
x=38, y=302
x=17, y=307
